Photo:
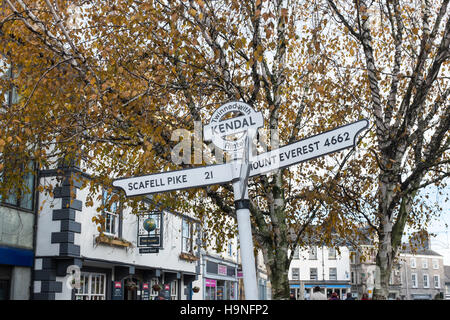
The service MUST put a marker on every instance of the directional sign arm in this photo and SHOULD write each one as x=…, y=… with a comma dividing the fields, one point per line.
x=313, y=147
x=176, y=180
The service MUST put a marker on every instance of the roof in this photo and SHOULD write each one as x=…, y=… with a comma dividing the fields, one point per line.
x=421, y=252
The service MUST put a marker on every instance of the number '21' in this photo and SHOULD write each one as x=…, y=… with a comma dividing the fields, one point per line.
x=208, y=175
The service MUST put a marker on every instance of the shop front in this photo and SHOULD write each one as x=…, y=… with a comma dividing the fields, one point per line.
x=220, y=281
x=328, y=289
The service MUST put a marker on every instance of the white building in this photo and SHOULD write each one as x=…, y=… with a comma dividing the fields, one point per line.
x=112, y=266
x=327, y=268
x=112, y=262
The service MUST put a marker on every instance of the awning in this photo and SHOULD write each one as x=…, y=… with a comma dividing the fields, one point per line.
x=16, y=256
x=344, y=286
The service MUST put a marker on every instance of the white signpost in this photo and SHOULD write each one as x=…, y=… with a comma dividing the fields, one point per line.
x=242, y=167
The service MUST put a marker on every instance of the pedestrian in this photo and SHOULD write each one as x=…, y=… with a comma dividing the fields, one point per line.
x=317, y=294
x=365, y=296
x=334, y=296
x=349, y=296
x=292, y=297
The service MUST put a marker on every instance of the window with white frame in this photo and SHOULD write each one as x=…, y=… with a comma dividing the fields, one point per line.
x=230, y=249
x=110, y=214
x=426, y=281
x=174, y=290
x=413, y=262
x=313, y=273
x=437, y=281
x=414, y=280
x=22, y=197
x=352, y=257
x=424, y=263
x=435, y=264
x=93, y=287
x=331, y=253
x=332, y=273
x=313, y=253
x=296, y=253
x=187, y=239
x=295, y=274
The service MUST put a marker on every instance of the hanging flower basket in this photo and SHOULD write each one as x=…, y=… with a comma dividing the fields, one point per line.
x=131, y=285
x=195, y=289
x=112, y=241
x=156, y=287
x=188, y=257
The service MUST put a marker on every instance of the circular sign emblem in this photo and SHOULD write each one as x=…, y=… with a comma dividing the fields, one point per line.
x=222, y=126
x=149, y=224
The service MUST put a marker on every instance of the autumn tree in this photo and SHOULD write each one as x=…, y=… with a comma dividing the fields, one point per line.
x=107, y=82
x=399, y=51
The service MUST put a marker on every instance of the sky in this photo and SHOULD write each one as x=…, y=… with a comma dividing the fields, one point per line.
x=441, y=242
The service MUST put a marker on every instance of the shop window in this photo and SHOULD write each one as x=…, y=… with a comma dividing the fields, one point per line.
x=93, y=287
x=210, y=289
x=174, y=290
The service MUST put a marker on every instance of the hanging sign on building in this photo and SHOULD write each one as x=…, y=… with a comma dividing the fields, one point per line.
x=149, y=232
x=117, y=291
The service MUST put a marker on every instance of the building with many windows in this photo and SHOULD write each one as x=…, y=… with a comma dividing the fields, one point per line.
x=328, y=268
x=17, y=225
x=422, y=274
x=17, y=216
x=122, y=259
x=447, y=283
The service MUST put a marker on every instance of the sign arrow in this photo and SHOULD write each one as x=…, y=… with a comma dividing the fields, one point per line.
x=306, y=149
x=176, y=180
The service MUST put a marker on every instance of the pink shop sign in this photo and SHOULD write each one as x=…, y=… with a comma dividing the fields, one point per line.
x=210, y=282
x=222, y=270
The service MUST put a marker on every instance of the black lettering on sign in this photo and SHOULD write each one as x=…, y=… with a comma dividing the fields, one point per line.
x=209, y=175
x=177, y=179
x=337, y=139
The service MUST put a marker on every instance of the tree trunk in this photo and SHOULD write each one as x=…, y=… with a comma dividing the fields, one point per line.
x=384, y=262
x=277, y=265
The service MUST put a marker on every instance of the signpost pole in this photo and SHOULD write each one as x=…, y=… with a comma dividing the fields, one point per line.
x=242, y=206
x=246, y=243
